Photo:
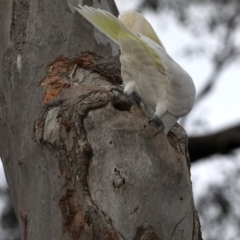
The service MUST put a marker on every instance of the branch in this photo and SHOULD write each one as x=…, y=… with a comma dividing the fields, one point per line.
x=219, y=143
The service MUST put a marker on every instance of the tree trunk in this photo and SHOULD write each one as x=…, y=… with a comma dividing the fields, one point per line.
x=80, y=162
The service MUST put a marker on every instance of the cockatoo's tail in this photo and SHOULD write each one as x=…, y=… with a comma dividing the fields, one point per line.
x=166, y=90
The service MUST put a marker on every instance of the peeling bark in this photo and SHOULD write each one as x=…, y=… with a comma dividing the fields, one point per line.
x=60, y=128
x=80, y=161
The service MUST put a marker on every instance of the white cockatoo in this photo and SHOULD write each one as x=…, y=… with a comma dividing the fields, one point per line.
x=148, y=72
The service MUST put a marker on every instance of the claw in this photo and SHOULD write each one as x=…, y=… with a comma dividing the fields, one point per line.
x=117, y=89
x=157, y=120
x=130, y=97
x=160, y=129
x=150, y=121
x=134, y=97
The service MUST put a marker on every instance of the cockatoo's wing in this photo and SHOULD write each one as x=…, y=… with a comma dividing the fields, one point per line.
x=142, y=63
x=138, y=58
x=180, y=90
x=104, y=22
x=166, y=90
x=138, y=24
x=115, y=29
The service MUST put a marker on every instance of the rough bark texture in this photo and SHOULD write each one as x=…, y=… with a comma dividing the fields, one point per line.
x=80, y=162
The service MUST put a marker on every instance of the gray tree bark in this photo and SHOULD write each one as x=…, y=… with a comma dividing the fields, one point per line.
x=81, y=162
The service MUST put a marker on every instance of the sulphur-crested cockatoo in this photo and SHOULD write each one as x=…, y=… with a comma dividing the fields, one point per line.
x=148, y=72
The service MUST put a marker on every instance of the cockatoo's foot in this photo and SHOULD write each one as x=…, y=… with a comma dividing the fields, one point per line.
x=134, y=97
x=117, y=89
x=130, y=97
x=157, y=120
x=160, y=129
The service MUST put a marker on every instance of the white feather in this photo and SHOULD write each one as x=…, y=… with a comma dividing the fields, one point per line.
x=166, y=89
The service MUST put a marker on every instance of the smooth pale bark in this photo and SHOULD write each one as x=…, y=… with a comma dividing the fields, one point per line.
x=80, y=162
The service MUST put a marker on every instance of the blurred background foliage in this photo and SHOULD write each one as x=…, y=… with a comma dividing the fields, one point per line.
x=215, y=25
x=9, y=225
